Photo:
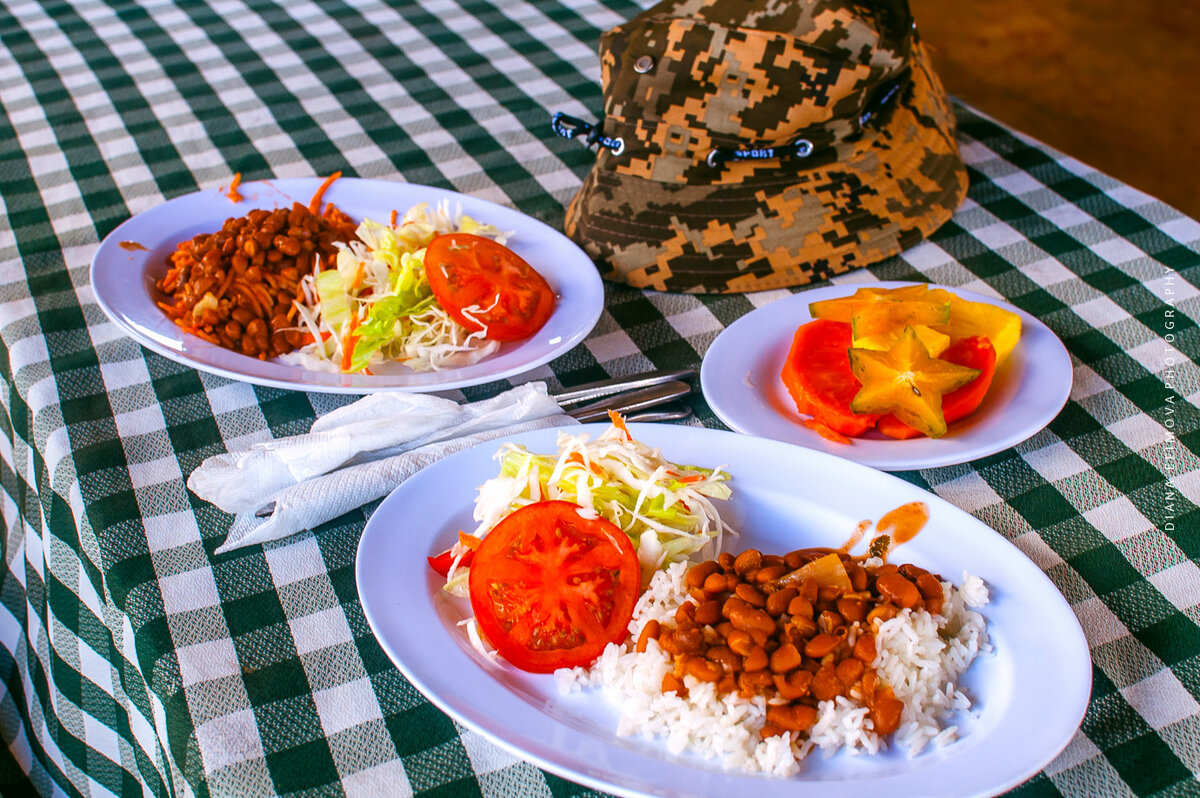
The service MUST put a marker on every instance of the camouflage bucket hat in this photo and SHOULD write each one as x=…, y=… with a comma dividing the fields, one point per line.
x=759, y=144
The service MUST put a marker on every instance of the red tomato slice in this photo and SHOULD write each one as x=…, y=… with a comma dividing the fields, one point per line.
x=818, y=376
x=441, y=563
x=551, y=588
x=486, y=286
x=975, y=352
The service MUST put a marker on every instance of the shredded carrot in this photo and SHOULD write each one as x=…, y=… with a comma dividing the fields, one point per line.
x=225, y=285
x=359, y=273
x=824, y=431
x=690, y=478
x=470, y=541
x=394, y=214
x=618, y=421
x=196, y=331
x=348, y=343
x=171, y=280
x=595, y=468
x=314, y=204
x=264, y=297
x=234, y=195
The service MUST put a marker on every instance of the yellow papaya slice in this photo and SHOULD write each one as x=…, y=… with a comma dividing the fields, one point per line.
x=967, y=319
x=907, y=382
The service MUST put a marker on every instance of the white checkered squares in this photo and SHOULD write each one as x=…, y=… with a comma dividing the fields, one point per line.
x=205, y=662
x=1033, y=546
x=169, y=531
x=1152, y=355
x=1178, y=584
x=388, y=778
x=1099, y=624
x=1018, y=183
x=101, y=737
x=486, y=756
x=1066, y=216
x=1161, y=699
x=1118, y=519
x=970, y=492
x=229, y=739
x=1185, y=230
x=187, y=591
x=299, y=560
x=1048, y=272
x=762, y=298
x=320, y=630
x=1056, y=462
x=1079, y=750
x=346, y=705
x=122, y=373
x=1129, y=197
x=699, y=321
x=1100, y=312
x=1139, y=432
x=144, y=473
x=1085, y=382
x=998, y=235
x=612, y=346
x=1117, y=251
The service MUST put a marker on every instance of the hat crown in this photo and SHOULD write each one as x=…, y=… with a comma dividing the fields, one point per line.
x=737, y=73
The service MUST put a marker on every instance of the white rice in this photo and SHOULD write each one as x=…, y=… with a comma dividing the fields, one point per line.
x=920, y=656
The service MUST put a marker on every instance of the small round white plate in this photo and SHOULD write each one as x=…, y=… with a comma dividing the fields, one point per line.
x=784, y=497
x=133, y=257
x=741, y=383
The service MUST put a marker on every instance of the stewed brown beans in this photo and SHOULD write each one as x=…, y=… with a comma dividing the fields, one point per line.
x=797, y=629
x=236, y=287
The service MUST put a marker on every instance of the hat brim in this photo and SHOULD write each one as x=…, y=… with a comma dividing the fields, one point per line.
x=786, y=227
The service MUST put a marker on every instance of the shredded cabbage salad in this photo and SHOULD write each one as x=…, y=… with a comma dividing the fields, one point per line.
x=666, y=509
x=377, y=306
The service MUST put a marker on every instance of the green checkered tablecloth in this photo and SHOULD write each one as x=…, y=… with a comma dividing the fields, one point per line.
x=135, y=661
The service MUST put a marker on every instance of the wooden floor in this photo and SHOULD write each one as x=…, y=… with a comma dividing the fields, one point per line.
x=1115, y=84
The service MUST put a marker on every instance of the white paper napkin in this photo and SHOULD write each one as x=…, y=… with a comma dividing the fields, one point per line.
x=356, y=454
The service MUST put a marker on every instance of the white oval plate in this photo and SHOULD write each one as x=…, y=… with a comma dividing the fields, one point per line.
x=133, y=257
x=740, y=379
x=1030, y=696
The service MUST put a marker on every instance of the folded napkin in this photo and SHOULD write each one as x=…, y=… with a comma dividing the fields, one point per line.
x=356, y=454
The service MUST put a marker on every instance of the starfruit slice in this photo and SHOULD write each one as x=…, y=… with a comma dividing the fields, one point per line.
x=844, y=308
x=880, y=326
x=936, y=342
x=907, y=382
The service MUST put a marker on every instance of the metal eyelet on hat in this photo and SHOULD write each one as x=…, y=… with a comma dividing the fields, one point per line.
x=618, y=146
x=643, y=65
x=803, y=148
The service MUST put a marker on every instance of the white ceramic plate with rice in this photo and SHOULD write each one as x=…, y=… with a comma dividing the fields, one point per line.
x=1029, y=695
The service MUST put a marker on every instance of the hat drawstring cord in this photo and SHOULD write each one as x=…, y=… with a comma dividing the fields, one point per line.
x=570, y=127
